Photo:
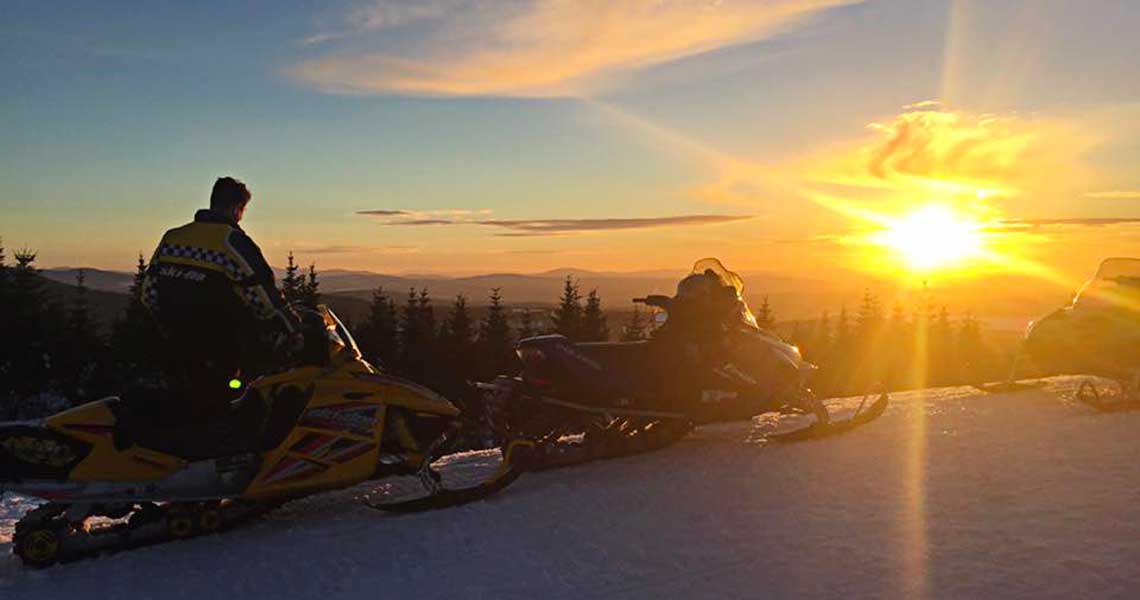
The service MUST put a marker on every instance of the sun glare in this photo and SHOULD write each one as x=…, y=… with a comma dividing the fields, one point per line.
x=933, y=237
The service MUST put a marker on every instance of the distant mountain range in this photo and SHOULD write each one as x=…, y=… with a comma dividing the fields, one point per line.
x=1006, y=301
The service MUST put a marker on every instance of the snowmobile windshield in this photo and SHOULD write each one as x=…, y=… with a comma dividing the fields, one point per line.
x=1115, y=286
x=341, y=343
x=712, y=267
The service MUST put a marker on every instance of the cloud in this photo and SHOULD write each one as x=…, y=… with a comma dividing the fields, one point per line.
x=381, y=212
x=424, y=222
x=550, y=226
x=933, y=143
x=346, y=249
x=546, y=227
x=1080, y=222
x=1115, y=195
x=533, y=48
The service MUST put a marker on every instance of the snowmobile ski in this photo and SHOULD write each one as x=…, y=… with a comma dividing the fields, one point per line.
x=1008, y=387
x=619, y=438
x=819, y=429
x=515, y=462
x=1129, y=399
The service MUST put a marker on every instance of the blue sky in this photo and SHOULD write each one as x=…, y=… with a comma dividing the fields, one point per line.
x=117, y=117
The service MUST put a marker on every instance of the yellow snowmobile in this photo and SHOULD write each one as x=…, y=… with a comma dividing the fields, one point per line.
x=112, y=479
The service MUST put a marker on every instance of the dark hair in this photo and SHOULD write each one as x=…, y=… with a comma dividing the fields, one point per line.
x=228, y=193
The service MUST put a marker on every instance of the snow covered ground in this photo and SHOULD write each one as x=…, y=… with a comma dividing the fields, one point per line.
x=951, y=494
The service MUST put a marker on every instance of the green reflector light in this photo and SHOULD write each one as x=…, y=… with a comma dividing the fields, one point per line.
x=235, y=384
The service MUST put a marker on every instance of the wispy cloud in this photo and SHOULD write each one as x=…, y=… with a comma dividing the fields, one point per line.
x=383, y=212
x=545, y=227
x=530, y=47
x=424, y=222
x=1115, y=195
x=1079, y=222
x=303, y=249
x=548, y=226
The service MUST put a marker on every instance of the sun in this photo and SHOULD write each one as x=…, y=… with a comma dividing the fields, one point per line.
x=933, y=237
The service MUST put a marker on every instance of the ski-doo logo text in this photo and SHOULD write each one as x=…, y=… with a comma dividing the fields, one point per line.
x=177, y=273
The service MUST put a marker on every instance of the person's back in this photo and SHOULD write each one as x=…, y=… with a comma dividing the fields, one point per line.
x=215, y=300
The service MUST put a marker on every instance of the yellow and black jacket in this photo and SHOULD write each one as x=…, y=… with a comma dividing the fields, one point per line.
x=213, y=293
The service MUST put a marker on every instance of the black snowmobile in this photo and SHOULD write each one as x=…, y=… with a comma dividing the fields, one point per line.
x=710, y=362
x=1097, y=334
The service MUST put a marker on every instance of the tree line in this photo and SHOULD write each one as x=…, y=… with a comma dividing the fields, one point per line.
x=907, y=347
x=54, y=353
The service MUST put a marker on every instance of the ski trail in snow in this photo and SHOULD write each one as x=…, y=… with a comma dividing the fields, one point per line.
x=951, y=493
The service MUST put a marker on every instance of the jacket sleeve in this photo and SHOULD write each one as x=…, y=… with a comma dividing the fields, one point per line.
x=257, y=287
x=148, y=286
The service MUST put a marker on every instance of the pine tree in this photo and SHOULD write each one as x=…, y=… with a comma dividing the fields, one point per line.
x=30, y=327
x=821, y=346
x=869, y=317
x=309, y=291
x=495, y=346
x=79, y=323
x=377, y=335
x=843, y=330
x=567, y=318
x=80, y=351
x=3, y=277
x=972, y=351
x=634, y=329
x=6, y=345
x=418, y=337
x=941, y=350
x=765, y=318
x=455, y=352
x=458, y=329
x=410, y=324
x=526, y=325
x=594, y=327
x=292, y=284
x=135, y=335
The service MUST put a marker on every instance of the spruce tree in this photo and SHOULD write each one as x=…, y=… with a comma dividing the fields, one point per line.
x=869, y=317
x=526, y=325
x=495, y=346
x=567, y=318
x=377, y=335
x=29, y=327
x=80, y=350
x=309, y=293
x=972, y=352
x=594, y=327
x=7, y=346
x=293, y=283
x=418, y=337
x=765, y=318
x=135, y=336
x=820, y=347
x=410, y=324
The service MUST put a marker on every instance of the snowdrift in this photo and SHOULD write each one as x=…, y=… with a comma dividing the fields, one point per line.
x=951, y=493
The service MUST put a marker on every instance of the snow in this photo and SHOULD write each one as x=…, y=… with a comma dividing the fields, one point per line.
x=951, y=493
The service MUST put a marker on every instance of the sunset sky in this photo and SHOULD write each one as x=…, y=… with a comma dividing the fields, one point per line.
x=463, y=136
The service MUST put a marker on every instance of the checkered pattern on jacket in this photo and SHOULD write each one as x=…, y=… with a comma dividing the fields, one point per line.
x=204, y=255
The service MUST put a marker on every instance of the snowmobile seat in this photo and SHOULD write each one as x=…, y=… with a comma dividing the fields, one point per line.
x=140, y=420
x=617, y=357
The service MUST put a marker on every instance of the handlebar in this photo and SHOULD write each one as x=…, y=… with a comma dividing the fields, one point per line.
x=656, y=300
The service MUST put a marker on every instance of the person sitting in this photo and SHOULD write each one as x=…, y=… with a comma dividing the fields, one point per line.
x=215, y=300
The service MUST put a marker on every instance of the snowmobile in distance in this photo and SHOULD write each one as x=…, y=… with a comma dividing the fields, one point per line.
x=114, y=479
x=710, y=362
x=1097, y=334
